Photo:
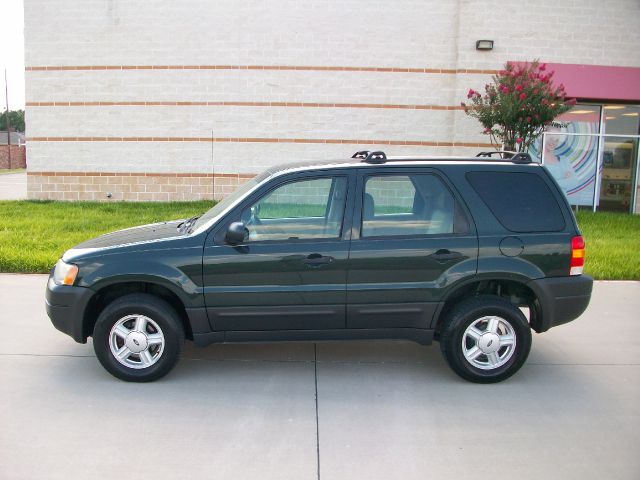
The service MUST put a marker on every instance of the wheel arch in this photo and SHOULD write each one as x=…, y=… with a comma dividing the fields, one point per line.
x=514, y=290
x=112, y=291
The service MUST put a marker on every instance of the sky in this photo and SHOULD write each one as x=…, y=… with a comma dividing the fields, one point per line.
x=12, y=52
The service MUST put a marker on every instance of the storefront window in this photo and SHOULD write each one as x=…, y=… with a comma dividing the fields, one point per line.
x=619, y=157
x=573, y=151
x=570, y=152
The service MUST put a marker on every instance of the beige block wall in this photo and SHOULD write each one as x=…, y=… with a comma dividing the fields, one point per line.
x=134, y=187
x=343, y=75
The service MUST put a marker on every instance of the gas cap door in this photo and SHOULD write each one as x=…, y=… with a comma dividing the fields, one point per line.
x=511, y=246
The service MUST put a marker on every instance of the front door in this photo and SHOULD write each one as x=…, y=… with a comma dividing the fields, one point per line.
x=412, y=240
x=290, y=273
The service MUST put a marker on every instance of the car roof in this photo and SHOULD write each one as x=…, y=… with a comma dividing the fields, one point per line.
x=391, y=161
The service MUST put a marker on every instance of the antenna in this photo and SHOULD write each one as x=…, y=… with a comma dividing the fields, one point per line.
x=6, y=93
x=213, y=172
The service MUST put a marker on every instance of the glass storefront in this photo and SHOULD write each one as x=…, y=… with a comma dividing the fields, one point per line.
x=619, y=157
x=594, y=155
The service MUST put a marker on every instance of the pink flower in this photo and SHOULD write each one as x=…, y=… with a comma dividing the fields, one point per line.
x=504, y=89
x=544, y=101
x=542, y=67
x=535, y=91
x=518, y=88
x=486, y=130
x=471, y=93
x=523, y=96
x=518, y=140
x=528, y=119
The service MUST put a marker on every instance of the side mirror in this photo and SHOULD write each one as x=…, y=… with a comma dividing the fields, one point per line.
x=236, y=234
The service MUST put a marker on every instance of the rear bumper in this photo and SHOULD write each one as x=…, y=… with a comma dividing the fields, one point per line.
x=561, y=299
x=66, y=306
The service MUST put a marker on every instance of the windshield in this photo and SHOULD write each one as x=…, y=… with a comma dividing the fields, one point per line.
x=229, y=200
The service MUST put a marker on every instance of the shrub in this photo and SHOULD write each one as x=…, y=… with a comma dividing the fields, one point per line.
x=516, y=107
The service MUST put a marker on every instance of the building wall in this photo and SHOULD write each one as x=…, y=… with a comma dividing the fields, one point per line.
x=18, y=157
x=122, y=89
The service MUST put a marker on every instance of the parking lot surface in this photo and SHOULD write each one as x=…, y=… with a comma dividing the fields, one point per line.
x=13, y=186
x=358, y=410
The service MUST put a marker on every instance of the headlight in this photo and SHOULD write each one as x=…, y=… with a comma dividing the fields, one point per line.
x=64, y=273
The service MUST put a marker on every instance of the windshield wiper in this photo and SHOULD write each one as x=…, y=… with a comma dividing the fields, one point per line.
x=184, y=226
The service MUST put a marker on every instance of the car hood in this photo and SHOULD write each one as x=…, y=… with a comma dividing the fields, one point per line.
x=135, y=235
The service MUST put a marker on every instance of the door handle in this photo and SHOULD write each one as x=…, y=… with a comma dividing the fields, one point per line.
x=444, y=255
x=315, y=260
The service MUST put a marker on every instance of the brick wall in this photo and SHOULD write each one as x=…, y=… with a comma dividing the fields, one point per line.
x=18, y=156
x=118, y=87
x=130, y=187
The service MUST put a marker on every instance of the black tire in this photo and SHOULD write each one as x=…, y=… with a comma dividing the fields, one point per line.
x=163, y=318
x=472, y=311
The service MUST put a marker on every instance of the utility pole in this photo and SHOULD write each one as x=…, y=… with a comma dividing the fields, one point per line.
x=6, y=94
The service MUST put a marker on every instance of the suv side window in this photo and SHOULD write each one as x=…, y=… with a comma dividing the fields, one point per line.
x=522, y=202
x=416, y=204
x=298, y=210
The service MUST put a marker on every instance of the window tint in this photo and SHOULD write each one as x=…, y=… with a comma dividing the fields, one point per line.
x=399, y=205
x=522, y=202
x=298, y=210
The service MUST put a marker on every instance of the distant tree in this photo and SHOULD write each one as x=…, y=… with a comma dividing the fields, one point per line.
x=16, y=120
x=517, y=106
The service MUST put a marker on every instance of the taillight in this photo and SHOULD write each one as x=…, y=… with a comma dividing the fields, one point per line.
x=577, y=256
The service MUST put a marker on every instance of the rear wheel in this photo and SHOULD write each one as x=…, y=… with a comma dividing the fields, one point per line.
x=485, y=339
x=138, y=338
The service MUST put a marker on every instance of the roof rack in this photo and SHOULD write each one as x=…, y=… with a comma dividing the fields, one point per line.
x=515, y=157
x=370, y=157
x=361, y=154
x=375, y=157
x=379, y=157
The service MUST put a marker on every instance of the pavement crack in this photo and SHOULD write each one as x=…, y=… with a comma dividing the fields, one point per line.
x=44, y=355
x=315, y=370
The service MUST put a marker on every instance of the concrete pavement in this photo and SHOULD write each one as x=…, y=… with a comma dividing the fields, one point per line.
x=385, y=410
x=13, y=186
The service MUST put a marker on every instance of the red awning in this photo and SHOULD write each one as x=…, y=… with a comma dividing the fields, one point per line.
x=597, y=82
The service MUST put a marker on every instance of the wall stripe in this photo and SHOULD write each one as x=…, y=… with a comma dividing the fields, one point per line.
x=245, y=104
x=141, y=174
x=417, y=143
x=451, y=71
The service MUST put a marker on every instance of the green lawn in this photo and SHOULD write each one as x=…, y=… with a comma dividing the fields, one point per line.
x=613, y=244
x=34, y=234
x=13, y=170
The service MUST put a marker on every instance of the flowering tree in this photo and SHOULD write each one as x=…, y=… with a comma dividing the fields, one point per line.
x=516, y=107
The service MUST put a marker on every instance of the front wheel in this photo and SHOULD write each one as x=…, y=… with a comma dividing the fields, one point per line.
x=138, y=338
x=485, y=339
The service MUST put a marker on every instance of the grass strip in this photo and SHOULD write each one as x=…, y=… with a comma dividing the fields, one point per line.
x=33, y=234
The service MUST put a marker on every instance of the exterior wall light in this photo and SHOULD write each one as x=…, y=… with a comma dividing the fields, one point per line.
x=484, y=45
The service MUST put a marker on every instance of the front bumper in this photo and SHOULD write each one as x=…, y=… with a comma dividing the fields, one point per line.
x=561, y=299
x=66, y=306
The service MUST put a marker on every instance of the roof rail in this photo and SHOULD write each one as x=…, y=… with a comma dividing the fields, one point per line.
x=375, y=157
x=360, y=154
x=379, y=157
x=515, y=157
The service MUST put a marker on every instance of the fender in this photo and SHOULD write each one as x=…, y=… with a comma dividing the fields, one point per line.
x=480, y=277
x=97, y=276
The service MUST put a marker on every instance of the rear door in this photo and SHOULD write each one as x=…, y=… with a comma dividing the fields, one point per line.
x=290, y=274
x=411, y=238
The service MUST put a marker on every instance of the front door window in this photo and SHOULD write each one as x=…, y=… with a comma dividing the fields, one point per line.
x=300, y=210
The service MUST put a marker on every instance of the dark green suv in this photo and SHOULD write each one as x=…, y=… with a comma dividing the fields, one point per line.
x=474, y=252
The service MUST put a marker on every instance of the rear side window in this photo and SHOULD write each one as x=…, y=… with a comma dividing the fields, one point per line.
x=522, y=202
x=407, y=205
